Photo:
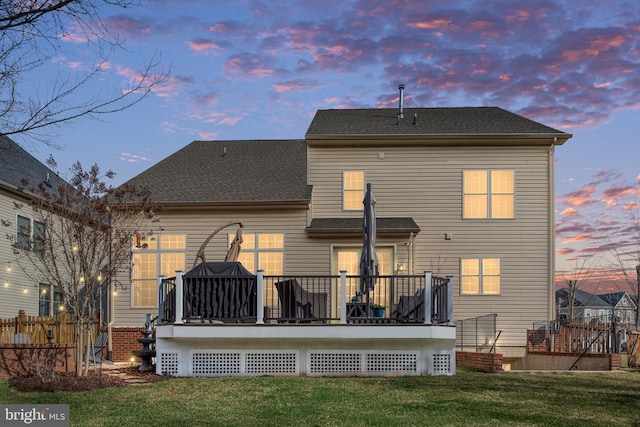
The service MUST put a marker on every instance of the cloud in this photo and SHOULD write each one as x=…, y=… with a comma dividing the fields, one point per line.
x=133, y=158
x=207, y=45
x=295, y=85
x=249, y=64
x=580, y=197
x=569, y=212
x=129, y=27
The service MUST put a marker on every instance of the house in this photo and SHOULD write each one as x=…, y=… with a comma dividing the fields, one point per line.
x=462, y=192
x=588, y=307
x=623, y=306
x=20, y=171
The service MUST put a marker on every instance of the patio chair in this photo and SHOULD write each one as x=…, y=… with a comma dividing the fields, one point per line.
x=98, y=346
x=20, y=338
x=410, y=308
x=298, y=305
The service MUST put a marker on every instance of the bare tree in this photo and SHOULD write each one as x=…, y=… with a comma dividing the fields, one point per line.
x=77, y=248
x=574, y=280
x=624, y=257
x=31, y=33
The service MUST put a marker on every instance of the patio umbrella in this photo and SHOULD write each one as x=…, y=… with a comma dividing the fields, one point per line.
x=234, y=248
x=369, y=259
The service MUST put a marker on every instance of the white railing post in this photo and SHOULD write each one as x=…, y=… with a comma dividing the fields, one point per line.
x=450, y=299
x=161, y=296
x=260, y=298
x=428, y=291
x=179, y=298
x=343, y=297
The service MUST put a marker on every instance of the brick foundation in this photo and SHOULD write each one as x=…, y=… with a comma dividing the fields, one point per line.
x=124, y=342
x=487, y=362
x=20, y=359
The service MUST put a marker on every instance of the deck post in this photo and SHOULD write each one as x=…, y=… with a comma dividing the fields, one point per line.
x=428, y=297
x=179, y=298
x=343, y=297
x=161, y=296
x=450, y=299
x=260, y=298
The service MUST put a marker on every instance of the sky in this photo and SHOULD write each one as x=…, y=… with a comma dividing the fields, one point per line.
x=246, y=69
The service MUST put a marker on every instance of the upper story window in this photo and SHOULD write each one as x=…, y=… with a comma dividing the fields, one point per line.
x=489, y=194
x=480, y=276
x=352, y=190
x=23, y=232
x=30, y=234
x=152, y=256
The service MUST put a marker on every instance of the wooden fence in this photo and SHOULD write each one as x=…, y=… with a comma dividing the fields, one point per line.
x=23, y=329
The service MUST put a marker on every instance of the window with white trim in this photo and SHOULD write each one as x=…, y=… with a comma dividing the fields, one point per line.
x=262, y=251
x=23, y=232
x=480, y=276
x=49, y=300
x=352, y=190
x=488, y=194
x=30, y=234
x=152, y=256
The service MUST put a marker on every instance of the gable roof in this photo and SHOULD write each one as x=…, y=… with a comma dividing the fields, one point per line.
x=224, y=173
x=614, y=298
x=430, y=123
x=20, y=171
x=582, y=299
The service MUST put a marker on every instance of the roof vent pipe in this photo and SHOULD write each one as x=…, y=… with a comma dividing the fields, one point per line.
x=401, y=101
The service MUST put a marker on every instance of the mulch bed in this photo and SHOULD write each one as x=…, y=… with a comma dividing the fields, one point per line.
x=95, y=379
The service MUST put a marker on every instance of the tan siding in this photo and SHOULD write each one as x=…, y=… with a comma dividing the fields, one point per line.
x=425, y=183
x=13, y=298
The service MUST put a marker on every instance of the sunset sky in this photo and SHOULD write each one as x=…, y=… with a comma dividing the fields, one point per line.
x=260, y=69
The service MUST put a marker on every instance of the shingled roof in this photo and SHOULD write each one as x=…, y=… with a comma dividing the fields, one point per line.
x=231, y=173
x=441, y=123
x=20, y=171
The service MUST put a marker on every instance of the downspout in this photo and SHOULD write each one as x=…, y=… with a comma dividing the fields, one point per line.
x=552, y=233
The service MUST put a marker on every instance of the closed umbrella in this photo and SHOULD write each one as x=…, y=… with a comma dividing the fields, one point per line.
x=234, y=248
x=369, y=259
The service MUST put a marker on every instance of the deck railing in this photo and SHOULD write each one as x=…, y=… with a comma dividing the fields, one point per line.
x=306, y=299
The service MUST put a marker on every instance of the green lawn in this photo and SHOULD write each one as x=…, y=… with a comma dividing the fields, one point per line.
x=469, y=398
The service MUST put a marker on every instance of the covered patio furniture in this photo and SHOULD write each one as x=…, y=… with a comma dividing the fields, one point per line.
x=297, y=304
x=223, y=291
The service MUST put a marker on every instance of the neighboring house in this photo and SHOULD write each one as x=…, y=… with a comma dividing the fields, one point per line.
x=467, y=192
x=588, y=307
x=20, y=171
x=623, y=306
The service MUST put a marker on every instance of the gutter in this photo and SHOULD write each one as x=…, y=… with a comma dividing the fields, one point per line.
x=434, y=139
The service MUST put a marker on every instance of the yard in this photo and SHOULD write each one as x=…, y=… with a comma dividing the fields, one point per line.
x=469, y=398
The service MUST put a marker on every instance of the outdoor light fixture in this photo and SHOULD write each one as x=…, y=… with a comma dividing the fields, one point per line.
x=25, y=290
x=9, y=266
x=6, y=283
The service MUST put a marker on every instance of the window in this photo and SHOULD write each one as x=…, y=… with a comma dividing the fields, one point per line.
x=480, y=276
x=49, y=300
x=587, y=313
x=352, y=190
x=262, y=252
x=348, y=259
x=44, y=300
x=23, y=233
x=153, y=256
x=38, y=236
x=489, y=194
